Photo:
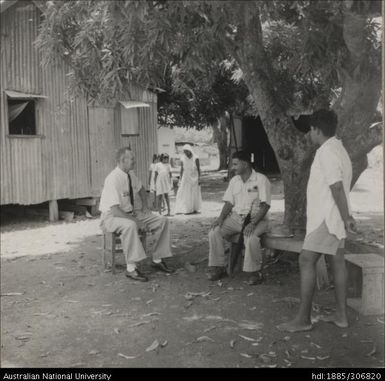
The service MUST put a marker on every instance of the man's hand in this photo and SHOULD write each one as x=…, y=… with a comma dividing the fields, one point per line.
x=217, y=222
x=249, y=230
x=350, y=225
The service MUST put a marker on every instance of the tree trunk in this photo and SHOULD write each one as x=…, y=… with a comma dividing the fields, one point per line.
x=220, y=132
x=361, y=89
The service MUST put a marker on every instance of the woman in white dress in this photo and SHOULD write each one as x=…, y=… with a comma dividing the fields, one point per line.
x=163, y=182
x=189, y=198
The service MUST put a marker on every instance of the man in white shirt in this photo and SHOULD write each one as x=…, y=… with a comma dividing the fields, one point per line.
x=245, y=188
x=119, y=215
x=328, y=220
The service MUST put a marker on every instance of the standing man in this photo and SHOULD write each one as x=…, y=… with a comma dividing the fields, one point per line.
x=328, y=219
x=244, y=188
x=120, y=216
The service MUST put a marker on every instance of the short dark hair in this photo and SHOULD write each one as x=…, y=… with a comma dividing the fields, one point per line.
x=242, y=155
x=164, y=156
x=120, y=152
x=324, y=120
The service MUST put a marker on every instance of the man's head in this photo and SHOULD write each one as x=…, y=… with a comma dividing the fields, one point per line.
x=125, y=159
x=323, y=125
x=241, y=162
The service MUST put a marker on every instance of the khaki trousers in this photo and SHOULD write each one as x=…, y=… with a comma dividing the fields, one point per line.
x=232, y=226
x=131, y=245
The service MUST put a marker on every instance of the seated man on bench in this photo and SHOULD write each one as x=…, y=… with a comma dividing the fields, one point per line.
x=243, y=190
x=119, y=216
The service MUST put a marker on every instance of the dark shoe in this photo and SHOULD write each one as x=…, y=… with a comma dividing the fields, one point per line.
x=255, y=278
x=162, y=267
x=136, y=275
x=216, y=273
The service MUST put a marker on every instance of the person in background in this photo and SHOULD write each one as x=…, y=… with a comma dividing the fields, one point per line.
x=119, y=215
x=151, y=179
x=189, y=198
x=329, y=220
x=163, y=182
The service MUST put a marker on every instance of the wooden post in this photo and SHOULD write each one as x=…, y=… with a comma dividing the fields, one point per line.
x=53, y=210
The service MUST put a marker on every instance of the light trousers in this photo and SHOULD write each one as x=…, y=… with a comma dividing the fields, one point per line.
x=230, y=228
x=131, y=245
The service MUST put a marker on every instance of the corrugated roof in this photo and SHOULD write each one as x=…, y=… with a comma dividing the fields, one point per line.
x=132, y=104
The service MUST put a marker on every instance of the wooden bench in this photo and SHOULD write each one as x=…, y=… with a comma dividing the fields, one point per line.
x=110, y=242
x=366, y=275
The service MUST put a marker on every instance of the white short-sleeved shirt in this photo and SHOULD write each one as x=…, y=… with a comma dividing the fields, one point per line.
x=116, y=190
x=331, y=164
x=242, y=194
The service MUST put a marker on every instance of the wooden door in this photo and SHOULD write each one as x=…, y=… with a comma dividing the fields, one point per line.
x=102, y=145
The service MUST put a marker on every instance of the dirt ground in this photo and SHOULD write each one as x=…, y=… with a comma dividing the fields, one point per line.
x=59, y=308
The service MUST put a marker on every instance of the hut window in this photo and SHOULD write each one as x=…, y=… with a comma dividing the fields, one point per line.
x=129, y=116
x=22, y=116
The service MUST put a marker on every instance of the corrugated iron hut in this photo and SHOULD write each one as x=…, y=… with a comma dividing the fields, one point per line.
x=54, y=146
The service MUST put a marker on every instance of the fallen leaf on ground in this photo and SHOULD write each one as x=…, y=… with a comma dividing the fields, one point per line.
x=373, y=351
x=247, y=338
x=204, y=338
x=153, y=346
x=307, y=358
x=127, y=357
x=271, y=366
x=265, y=358
x=116, y=330
x=315, y=345
x=232, y=343
x=12, y=294
x=192, y=318
x=149, y=301
x=23, y=337
x=209, y=329
x=255, y=344
x=250, y=326
x=138, y=324
x=45, y=354
x=93, y=352
x=150, y=314
x=287, y=362
x=246, y=355
x=322, y=357
x=164, y=343
x=250, y=294
x=215, y=299
x=286, y=338
x=252, y=308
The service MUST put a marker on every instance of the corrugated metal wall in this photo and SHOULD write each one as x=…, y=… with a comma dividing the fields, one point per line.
x=61, y=164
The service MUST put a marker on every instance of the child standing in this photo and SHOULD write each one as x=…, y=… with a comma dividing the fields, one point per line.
x=163, y=182
x=151, y=178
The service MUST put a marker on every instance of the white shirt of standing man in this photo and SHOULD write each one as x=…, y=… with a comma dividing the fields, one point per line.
x=331, y=164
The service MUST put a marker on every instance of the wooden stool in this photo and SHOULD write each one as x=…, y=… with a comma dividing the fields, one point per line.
x=110, y=240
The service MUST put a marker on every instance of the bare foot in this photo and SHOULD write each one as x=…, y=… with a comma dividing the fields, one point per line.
x=294, y=326
x=339, y=321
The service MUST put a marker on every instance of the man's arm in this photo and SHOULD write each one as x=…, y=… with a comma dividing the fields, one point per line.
x=263, y=209
x=181, y=171
x=339, y=196
x=199, y=169
x=227, y=208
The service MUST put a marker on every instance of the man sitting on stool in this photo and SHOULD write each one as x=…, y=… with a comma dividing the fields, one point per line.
x=243, y=190
x=119, y=216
